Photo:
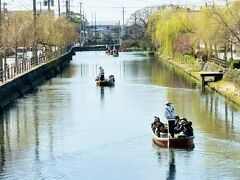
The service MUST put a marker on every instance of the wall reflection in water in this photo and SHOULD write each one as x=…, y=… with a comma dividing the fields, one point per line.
x=26, y=127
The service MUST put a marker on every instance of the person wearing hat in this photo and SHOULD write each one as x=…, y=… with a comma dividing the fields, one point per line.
x=101, y=73
x=170, y=115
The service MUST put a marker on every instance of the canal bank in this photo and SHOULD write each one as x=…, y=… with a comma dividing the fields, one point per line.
x=16, y=87
x=223, y=87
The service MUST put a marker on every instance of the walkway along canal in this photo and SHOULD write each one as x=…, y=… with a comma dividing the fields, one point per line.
x=68, y=128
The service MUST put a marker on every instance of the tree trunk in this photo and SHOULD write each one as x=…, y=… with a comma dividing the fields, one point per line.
x=225, y=53
x=215, y=50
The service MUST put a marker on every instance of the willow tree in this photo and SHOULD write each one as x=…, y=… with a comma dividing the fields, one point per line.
x=229, y=19
x=17, y=30
x=152, y=27
x=169, y=27
x=55, y=32
x=67, y=31
x=208, y=31
x=45, y=29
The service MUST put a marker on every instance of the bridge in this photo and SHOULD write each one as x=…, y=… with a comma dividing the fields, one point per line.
x=100, y=47
x=216, y=75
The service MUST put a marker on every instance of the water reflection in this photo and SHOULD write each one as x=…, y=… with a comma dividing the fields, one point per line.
x=36, y=126
x=102, y=93
x=172, y=166
x=166, y=156
x=220, y=115
x=56, y=130
x=2, y=146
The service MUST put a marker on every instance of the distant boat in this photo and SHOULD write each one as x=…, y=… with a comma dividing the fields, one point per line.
x=106, y=82
x=176, y=142
x=151, y=53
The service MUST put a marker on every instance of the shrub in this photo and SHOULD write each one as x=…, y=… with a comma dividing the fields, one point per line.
x=235, y=64
x=232, y=75
x=190, y=61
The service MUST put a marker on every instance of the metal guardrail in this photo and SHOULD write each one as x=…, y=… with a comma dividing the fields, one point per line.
x=9, y=72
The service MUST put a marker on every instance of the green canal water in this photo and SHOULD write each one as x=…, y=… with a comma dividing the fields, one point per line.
x=68, y=128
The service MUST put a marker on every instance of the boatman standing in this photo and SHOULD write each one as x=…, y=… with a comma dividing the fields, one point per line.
x=101, y=73
x=170, y=115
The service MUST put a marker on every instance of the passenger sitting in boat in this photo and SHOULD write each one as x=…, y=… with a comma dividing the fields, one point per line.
x=111, y=79
x=177, y=128
x=101, y=73
x=188, y=130
x=155, y=123
x=177, y=119
x=184, y=127
x=158, y=127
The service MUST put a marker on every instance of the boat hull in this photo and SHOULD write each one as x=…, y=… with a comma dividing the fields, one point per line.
x=115, y=55
x=104, y=83
x=178, y=142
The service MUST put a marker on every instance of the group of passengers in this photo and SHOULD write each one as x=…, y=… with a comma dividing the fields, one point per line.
x=111, y=50
x=175, y=126
x=181, y=127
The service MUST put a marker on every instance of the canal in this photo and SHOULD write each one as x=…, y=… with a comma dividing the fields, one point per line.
x=67, y=128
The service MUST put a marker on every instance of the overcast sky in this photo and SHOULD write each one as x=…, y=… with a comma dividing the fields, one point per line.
x=106, y=10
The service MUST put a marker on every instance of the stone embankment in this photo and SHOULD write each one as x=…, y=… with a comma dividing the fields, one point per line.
x=16, y=87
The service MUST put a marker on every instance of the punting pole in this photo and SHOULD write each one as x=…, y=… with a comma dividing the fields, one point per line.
x=168, y=133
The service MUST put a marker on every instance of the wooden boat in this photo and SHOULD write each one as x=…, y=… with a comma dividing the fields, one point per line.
x=176, y=142
x=115, y=54
x=151, y=53
x=106, y=82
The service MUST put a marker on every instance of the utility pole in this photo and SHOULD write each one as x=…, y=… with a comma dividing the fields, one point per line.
x=34, y=32
x=1, y=62
x=123, y=11
x=119, y=33
x=4, y=10
x=80, y=25
x=40, y=7
x=92, y=27
x=95, y=28
x=69, y=8
x=84, y=28
x=48, y=5
x=135, y=25
x=4, y=51
x=66, y=9
x=59, y=10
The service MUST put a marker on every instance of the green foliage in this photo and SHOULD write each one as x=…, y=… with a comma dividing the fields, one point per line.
x=167, y=26
x=188, y=60
x=57, y=32
x=234, y=64
x=232, y=75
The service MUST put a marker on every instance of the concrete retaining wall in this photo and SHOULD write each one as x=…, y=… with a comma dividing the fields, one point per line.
x=15, y=88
